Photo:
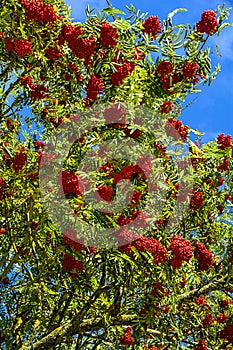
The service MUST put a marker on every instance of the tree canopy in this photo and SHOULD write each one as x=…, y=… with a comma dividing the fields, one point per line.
x=116, y=221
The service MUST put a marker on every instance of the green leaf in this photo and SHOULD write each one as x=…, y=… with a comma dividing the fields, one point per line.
x=113, y=11
x=173, y=13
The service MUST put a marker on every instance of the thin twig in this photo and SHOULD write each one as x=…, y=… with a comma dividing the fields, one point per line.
x=110, y=5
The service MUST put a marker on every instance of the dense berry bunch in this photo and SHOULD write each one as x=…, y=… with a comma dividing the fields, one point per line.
x=105, y=192
x=122, y=72
x=200, y=300
x=127, y=173
x=224, y=141
x=53, y=53
x=182, y=250
x=132, y=134
x=227, y=333
x=152, y=26
x=9, y=44
x=81, y=47
x=20, y=160
x=3, y=185
x=207, y=321
x=22, y=48
x=165, y=69
x=201, y=345
x=70, y=183
x=70, y=263
x=208, y=23
x=70, y=33
x=166, y=107
x=197, y=200
x=36, y=10
x=176, y=129
x=115, y=115
x=94, y=87
x=223, y=165
x=70, y=237
x=190, y=69
x=222, y=318
x=224, y=303
x=145, y=163
x=204, y=256
x=84, y=47
x=126, y=339
x=127, y=240
x=38, y=92
x=108, y=35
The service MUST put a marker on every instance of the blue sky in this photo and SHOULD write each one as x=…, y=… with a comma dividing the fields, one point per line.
x=212, y=113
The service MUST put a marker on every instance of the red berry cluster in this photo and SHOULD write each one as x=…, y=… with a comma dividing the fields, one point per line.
x=207, y=321
x=3, y=185
x=201, y=345
x=190, y=69
x=128, y=172
x=74, y=68
x=165, y=69
x=126, y=339
x=158, y=290
x=9, y=44
x=53, y=53
x=166, y=107
x=197, y=200
x=137, y=214
x=152, y=26
x=182, y=249
x=70, y=263
x=208, y=23
x=132, y=134
x=108, y=35
x=105, y=192
x=20, y=160
x=70, y=238
x=37, y=91
x=224, y=165
x=142, y=244
x=204, y=256
x=200, y=300
x=122, y=72
x=47, y=158
x=115, y=115
x=224, y=141
x=224, y=303
x=36, y=10
x=39, y=144
x=176, y=129
x=222, y=318
x=94, y=87
x=71, y=183
x=81, y=47
x=227, y=333
x=21, y=47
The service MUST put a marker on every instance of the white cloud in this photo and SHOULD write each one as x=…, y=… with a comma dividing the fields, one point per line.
x=225, y=43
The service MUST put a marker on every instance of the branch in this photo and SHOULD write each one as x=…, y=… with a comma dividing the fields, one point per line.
x=206, y=288
x=76, y=327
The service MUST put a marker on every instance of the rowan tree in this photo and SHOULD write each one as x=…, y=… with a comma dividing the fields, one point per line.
x=163, y=278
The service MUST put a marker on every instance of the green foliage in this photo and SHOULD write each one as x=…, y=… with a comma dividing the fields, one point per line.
x=47, y=302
